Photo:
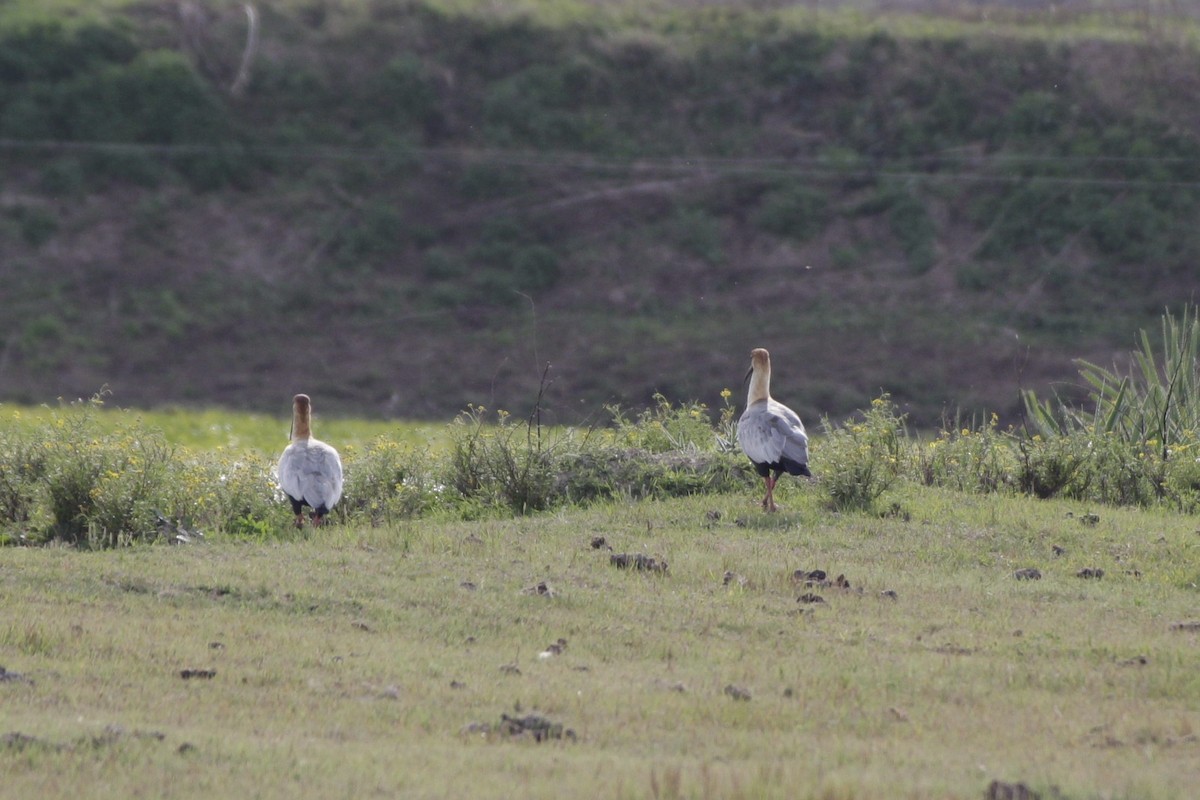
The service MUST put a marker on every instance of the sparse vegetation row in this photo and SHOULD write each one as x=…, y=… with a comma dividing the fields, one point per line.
x=67, y=479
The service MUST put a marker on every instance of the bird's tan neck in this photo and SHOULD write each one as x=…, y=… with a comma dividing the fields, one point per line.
x=760, y=387
x=301, y=426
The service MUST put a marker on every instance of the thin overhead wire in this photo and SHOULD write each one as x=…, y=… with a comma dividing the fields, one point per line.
x=815, y=167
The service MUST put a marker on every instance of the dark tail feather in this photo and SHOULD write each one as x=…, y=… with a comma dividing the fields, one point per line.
x=795, y=468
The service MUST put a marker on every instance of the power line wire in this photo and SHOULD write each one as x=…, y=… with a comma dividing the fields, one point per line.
x=805, y=166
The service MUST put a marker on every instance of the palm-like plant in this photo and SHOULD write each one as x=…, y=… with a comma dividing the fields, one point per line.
x=1155, y=404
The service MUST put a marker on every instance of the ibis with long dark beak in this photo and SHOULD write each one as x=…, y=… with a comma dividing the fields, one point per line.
x=771, y=434
x=310, y=471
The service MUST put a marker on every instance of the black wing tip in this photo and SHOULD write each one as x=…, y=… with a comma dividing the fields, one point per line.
x=779, y=467
x=796, y=468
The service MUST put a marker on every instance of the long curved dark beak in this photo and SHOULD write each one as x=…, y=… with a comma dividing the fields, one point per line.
x=746, y=379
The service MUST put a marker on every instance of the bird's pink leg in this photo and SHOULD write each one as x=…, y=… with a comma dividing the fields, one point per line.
x=769, y=500
x=300, y=520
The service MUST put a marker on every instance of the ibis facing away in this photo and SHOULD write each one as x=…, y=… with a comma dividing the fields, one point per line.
x=771, y=434
x=310, y=471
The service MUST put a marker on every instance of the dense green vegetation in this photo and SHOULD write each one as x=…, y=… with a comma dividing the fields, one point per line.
x=409, y=207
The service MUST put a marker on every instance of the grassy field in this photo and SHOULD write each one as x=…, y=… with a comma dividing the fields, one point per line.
x=378, y=662
x=212, y=428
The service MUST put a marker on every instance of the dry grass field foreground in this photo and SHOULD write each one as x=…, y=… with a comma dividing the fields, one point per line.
x=525, y=658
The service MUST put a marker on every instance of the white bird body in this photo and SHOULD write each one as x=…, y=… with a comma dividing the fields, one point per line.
x=310, y=471
x=771, y=434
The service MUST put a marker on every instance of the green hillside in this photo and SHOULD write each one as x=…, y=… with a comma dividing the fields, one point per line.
x=403, y=207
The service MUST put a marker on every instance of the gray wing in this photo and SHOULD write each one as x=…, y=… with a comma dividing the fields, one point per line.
x=289, y=470
x=770, y=431
x=311, y=472
x=791, y=429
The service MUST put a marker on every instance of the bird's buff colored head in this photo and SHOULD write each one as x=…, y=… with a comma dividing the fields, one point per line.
x=759, y=375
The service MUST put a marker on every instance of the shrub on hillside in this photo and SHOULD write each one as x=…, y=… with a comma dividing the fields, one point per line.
x=35, y=225
x=506, y=262
x=52, y=50
x=94, y=85
x=796, y=210
x=913, y=227
x=695, y=232
x=373, y=233
x=403, y=94
x=547, y=105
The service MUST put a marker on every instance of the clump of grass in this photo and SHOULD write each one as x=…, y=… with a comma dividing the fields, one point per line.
x=504, y=463
x=969, y=460
x=223, y=490
x=23, y=461
x=665, y=427
x=76, y=480
x=386, y=482
x=1053, y=467
x=624, y=473
x=101, y=489
x=667, y=450
x=861, y=459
